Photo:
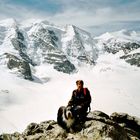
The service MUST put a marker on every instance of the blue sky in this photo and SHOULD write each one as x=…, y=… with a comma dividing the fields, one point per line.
x=86, y=14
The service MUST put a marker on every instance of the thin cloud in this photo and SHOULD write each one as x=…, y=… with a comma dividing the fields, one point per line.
x=83, y=18
x=77, y=12
x=96, y=12
x=19, y=12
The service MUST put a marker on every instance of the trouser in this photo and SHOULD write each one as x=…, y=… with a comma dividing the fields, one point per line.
x=79, y=113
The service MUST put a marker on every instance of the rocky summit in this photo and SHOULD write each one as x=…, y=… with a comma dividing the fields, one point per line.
x=98, y=126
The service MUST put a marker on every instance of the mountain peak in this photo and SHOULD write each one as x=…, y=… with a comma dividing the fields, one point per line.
x=105, y=36
x=120, y=36
x=10, y=22
x=33, y=22
x=124, y=32
x=39, y=42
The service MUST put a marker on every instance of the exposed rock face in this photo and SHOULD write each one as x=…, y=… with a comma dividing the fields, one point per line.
x=22, y=66
x=125, y=41
x=129, y=123
x=81, y=46
x=133, y=59
x=46, y=42
x=19, y=44
x=126, y=47
x=98, y=126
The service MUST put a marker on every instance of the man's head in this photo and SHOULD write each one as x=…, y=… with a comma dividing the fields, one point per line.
x=79, y=84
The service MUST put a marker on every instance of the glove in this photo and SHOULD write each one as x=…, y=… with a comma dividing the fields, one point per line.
x=78, y=107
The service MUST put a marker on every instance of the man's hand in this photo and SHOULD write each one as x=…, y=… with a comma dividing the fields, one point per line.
x=78, y=107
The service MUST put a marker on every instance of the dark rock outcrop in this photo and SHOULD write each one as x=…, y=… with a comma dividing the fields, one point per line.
x=117, y=46
x=22, y=66
x=19, y=44
x=98, y=126
x=129, y=123
x=127, y=48
x=125, y=42
x=133, y=59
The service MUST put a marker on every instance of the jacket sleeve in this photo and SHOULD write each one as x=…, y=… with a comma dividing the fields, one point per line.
x=71, y=101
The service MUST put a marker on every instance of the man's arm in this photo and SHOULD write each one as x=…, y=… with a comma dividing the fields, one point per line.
x=71, y=101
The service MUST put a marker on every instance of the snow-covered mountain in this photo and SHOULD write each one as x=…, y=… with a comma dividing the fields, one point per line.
x=40, y=42
x=127, y=43
x=39, y=50
x=29, y=44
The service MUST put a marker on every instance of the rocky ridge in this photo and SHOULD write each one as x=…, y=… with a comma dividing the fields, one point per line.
x=41, y=42
x=64, y=48
x=126, y=42
x=98, y=126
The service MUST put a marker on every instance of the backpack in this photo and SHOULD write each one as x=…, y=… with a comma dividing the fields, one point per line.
x=85, y=95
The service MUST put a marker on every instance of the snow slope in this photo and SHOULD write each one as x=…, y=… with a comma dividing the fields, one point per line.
x=120, y=36
x=114, y=86
x=118, y=40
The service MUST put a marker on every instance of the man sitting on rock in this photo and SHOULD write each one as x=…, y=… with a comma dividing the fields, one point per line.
x=80, y=101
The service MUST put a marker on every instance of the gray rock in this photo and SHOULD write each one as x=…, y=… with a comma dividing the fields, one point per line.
x=14, y=136
x=96, y=114
x=117, y=46
x=22, y=66
x=133, y=59
x=130, y=123
x=19, y=44
x=98, y=126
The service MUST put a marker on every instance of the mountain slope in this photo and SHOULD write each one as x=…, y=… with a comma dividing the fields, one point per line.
x=125, y=42
x=40, y=42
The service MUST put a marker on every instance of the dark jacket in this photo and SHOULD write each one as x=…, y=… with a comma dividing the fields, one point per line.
x=79, y=98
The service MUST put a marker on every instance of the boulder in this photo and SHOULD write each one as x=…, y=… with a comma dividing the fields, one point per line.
x=98, y=126
x=130, y=123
